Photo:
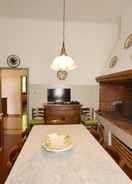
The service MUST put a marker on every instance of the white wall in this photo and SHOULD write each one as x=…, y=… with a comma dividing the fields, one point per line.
x=87, y=95
x=38, y=42
x=124, y=55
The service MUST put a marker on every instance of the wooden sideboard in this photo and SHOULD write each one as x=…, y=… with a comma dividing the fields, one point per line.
x=62, y=113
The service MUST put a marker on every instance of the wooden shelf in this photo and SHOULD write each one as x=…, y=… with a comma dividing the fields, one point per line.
x=118, y=76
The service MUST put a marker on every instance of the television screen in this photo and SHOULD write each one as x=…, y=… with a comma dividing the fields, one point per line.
x=59, y=95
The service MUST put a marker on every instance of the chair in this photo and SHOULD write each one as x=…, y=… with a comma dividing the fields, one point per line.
x=121, y=154
x=100, y=130
x=87, y=117
x=38, y=115
x=125, y=154
x=98, y=133
x=99, y=136
x=25, y=134
x=85, y=113
x=88, y=120
x=15, y=150
x=13, y=154
x=127, y=168
x=113, y=153
x=110, y=149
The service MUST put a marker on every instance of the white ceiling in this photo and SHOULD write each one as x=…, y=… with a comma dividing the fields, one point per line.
x=80, y=10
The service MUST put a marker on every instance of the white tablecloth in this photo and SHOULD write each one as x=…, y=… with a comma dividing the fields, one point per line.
x=86, y=163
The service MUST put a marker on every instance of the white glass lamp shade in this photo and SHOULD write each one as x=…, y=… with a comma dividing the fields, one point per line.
x=63, y=62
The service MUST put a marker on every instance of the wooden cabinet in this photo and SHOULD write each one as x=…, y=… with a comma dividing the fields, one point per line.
x=1, y=131
x=62, y=113
x=115, y=104
x=3, y=106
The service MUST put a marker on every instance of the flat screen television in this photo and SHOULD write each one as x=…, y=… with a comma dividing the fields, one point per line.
x=57, y=95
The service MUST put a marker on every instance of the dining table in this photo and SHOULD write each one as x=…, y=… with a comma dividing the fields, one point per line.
x=85, y=163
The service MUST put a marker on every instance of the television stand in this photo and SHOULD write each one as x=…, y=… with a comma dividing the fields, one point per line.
x=62, y=113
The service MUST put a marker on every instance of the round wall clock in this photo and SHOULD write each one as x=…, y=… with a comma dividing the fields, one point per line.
x=113, y=61
x=62, y=75
x=13, y=61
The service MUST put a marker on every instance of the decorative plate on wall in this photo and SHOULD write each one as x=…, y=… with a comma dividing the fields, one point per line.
x=128, y=42
x=113, y=61
x=13, y=61
x=62, y=75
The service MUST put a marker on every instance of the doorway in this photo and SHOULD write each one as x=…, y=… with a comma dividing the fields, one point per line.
x=14, y=97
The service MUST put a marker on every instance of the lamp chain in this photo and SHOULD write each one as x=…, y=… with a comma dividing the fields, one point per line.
x=64, y=21
x=63, y=50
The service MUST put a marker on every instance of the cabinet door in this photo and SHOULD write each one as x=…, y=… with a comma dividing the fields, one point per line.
x=72, y=116
x=64, y=113
x=55, y=114
x=0, y=92
x=1, y=132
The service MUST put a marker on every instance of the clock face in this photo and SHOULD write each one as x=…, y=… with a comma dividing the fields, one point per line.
x=62, y=75
x=13, y=61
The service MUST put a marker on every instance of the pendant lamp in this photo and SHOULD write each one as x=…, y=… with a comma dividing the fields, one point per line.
x=63, y=62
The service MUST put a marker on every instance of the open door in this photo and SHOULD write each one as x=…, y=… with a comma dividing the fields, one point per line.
x=23, y=94
x=14, y=88
x=24, y=101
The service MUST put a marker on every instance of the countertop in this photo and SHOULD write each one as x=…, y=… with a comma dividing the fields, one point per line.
x=86, y=163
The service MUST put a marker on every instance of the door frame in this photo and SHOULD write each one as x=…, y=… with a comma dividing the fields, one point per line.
x=27, y=71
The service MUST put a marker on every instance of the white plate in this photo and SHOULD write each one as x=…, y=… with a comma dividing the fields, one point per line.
x=57, y=142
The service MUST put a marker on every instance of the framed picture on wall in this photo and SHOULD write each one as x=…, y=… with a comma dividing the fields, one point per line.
x=128, y=42
x=13, y=61
x=113, y=61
